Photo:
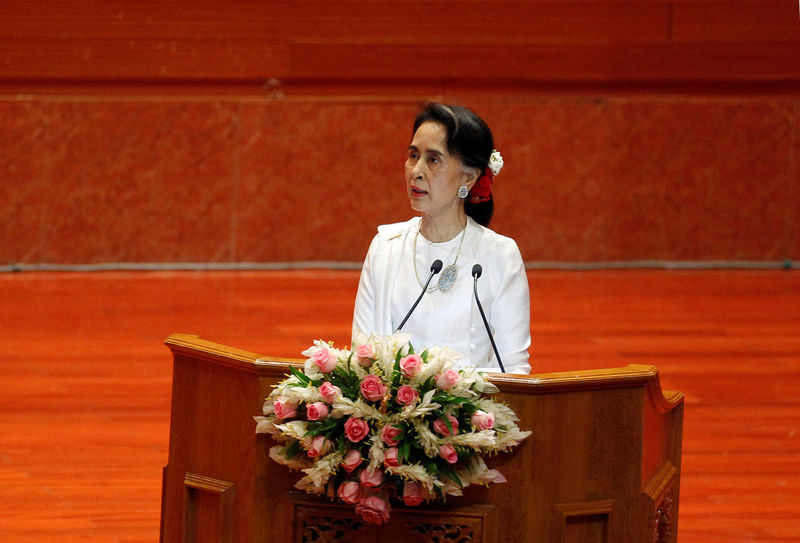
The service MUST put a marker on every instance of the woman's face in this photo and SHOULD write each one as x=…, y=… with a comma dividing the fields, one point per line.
x=432, y=174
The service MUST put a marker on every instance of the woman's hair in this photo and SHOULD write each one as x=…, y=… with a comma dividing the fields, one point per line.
x=469, y=139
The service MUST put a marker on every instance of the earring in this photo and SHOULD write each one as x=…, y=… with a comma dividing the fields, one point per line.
x=463, y=191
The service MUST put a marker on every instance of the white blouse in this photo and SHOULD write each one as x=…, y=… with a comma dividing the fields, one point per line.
x=390, y=284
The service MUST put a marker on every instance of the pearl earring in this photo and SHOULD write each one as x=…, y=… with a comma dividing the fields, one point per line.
x=463, y=191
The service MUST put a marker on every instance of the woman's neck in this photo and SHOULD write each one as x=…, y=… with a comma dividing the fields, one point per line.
x=442, y=229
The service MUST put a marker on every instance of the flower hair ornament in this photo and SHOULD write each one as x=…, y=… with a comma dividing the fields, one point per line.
x=482, y=191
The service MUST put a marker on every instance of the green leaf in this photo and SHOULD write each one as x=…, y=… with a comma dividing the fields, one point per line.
x=291, y=449
x=319, y=428
x=396, y=373
x=300, y=375
x=432, y=468
x=451, y=473
x=404, y=450
x=444, y=397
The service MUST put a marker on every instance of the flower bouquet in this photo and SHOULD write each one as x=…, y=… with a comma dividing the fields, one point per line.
x=380, y=421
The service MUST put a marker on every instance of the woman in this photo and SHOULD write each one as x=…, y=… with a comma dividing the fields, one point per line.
x=448, y=181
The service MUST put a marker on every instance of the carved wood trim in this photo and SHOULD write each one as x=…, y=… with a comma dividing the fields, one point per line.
x=314, y=528
x=198, y=487
x=320, y=521
x=661, y=490
x=442, y=532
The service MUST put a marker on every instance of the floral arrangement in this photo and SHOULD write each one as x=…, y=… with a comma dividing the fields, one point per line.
x=380, y=421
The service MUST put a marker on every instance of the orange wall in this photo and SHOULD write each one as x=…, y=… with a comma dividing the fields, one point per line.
x=275, y=131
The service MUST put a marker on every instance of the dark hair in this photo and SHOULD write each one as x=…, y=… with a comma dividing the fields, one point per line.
x=469, y=138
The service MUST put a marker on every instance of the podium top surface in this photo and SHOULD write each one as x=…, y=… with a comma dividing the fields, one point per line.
x=633, y=375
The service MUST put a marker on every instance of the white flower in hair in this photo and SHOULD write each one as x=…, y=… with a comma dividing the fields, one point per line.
x=495, y=162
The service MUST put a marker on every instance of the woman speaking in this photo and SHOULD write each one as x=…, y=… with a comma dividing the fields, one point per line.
x=449, y=169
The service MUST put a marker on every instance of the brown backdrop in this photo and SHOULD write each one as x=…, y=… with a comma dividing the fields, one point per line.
x=256, y=131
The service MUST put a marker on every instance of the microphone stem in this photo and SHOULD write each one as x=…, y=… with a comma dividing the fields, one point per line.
x=486, y=323
x=410, y=311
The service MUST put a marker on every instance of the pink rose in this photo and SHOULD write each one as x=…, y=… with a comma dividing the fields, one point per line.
x=316, y=411
x=391, y=458
x=482, y=420
x=365, y=355
x=411, y=365
x=372, y=388
x=349, y=492
x=447, y=379
x=412, y=493
x=351, y=460
x=389, y=435
x=371, y=478
x=440, y=426
x=406, y=395
x=356, y=429
x=448, y=453
x=319, y=446
x=330, y=393
x=284, y=409
x=324, y=360
x=373, y=509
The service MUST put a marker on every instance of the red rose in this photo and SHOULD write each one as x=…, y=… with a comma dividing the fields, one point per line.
x=371, y=478
x=448, y=453
x=330, y=393
x=356, y=429
x=351, y=460
x=319, y=446
x=391, y=458
x=372, y=388
x=316, y=411
x=447, y=380
x=440, y=426
x=411, y=365
x=365, y=355
x=373, y=510
x=412, y=493
x=284, y=409
x=482, y=420
x=406, y=395
x=324, y=360
x=349, y=492
x=389, y=435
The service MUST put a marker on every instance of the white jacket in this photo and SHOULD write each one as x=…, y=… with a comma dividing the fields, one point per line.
x=389, y=285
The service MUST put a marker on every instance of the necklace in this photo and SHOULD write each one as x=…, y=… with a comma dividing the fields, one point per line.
x=448, y=275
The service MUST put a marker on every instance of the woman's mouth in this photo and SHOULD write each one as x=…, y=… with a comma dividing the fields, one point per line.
x=418, y=192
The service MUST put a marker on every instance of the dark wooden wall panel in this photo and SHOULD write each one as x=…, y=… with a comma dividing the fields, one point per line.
x=507, y=41
x=736, y=21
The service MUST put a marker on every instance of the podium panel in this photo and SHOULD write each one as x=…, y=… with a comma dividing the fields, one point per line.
x=602, y=465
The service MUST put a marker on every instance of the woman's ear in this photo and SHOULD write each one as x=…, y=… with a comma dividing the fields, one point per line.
x=471, y=177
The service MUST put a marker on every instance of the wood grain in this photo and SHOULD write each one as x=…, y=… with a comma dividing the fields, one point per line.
x=84, y=409
x=585, y=472
x=97, y=43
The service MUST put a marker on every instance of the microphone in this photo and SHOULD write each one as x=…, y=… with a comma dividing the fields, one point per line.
x=476, y=272
x=436, y=267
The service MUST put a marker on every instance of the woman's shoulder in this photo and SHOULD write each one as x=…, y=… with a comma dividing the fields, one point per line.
x=490, y=240
x=388, y=232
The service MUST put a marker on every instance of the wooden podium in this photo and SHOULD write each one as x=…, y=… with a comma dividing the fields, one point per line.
x=603, y=463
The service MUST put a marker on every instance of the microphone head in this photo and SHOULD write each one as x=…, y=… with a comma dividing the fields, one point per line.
x=477, y=271
x=436, y=267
